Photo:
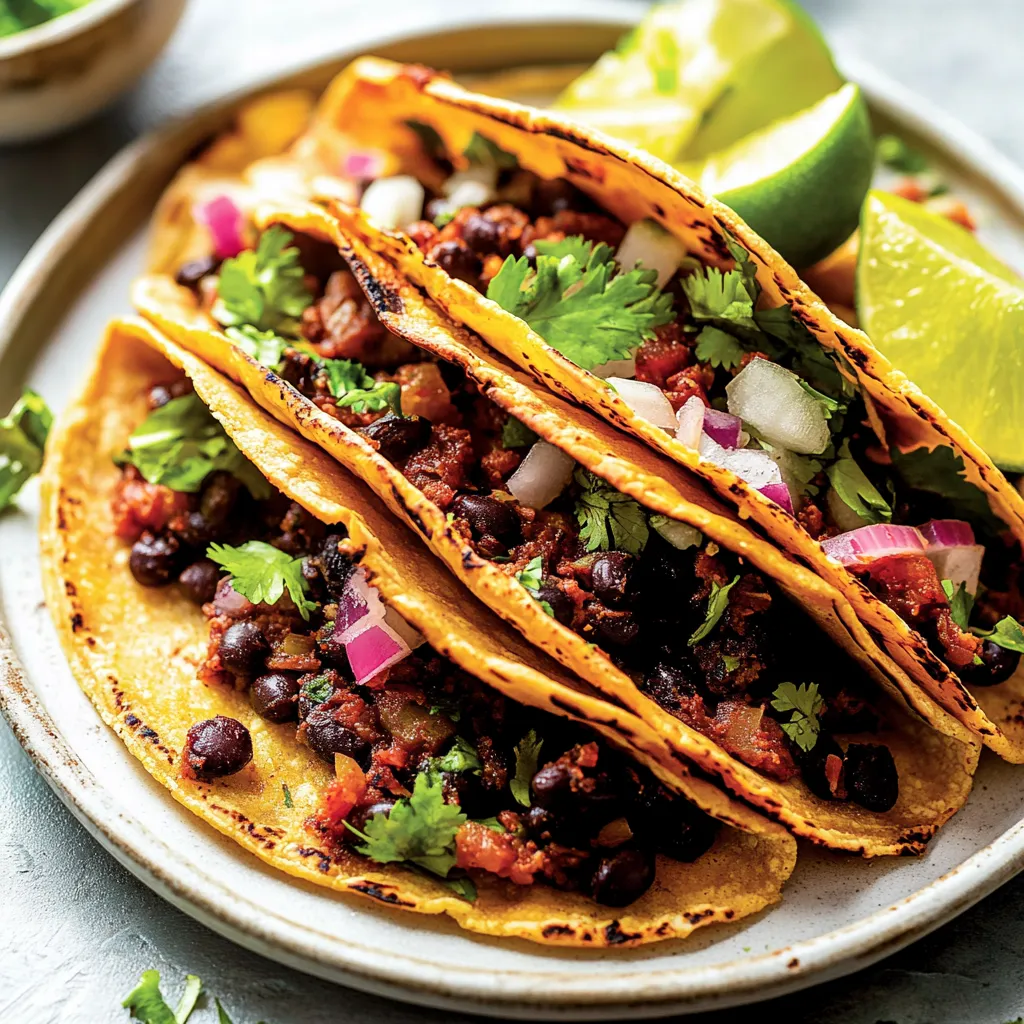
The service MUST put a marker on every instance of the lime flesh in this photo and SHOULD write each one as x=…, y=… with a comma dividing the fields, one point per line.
x=799, y=182
x=948, y=314
x=696, y=75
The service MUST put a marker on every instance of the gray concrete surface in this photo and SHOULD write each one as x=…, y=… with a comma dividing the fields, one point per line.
x=76, y=929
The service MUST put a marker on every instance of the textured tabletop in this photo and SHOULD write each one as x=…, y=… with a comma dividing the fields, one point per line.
x=76, y=929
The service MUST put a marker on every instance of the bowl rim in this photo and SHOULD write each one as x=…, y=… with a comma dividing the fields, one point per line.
x=61, y=28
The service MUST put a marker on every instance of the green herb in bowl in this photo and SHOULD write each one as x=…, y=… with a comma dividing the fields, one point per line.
x=18, y=15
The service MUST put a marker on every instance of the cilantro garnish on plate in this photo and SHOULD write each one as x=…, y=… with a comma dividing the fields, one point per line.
x=718, y=601
x=261, y=573
x=263, y=287
x=146, y=1002
x=420, y=829
x=806, y=705
x=23, y=434
x=579, y=302
x=181, y=443
x=527, y=757
x=609, y=520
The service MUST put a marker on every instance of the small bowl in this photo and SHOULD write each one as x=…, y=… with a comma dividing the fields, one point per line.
x=59, y=73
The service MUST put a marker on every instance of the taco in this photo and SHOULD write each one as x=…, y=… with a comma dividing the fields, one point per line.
x=617, y=565
x=298, y=671
x=615, y=282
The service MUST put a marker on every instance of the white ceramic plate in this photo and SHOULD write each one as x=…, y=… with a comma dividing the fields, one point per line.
x=838, y=913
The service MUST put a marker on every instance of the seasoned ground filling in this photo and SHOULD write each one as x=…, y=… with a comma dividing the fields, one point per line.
x=641, y=608
x=581, y=817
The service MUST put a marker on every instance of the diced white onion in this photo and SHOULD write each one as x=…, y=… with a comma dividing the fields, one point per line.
x=541, y=476
x=480, y=176
x=646, y=400
x=649, y=244
x=750, y=464
x=679, y=535
x=624, y=368
x=958, y=564
x=690, y=422
x=769, y=398
x=394, y=202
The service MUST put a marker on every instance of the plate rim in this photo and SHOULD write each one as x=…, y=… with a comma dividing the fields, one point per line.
x=645, y=994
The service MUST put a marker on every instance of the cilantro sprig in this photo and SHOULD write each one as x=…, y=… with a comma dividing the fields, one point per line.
x=527, y=757
x=23, y=434
x=263, y=287
x=262, y=573
x=355, y=389
x=531, y=579
x=853, y=488
x=146, y=1002
x=516, y=434
x=961, y=603
x=420, y=829
x=806, y=705
x=718, y=601
x=462, y=757
x=180, y=444
x=265, y=347
x=609, y=520
x=579, y=303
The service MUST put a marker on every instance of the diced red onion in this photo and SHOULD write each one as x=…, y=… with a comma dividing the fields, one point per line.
x=750, y=464
x=649, y=244
x=625, y=368
x=363, y=164
x=541, y=476
x=358, y=600
x=772, y=401
x=374, y=649
x=690, y=422
x=870, y=542
x=225, y=222
x=646, y=400
x=779, y=493
x=394, y=202
x=947, y=533
x=722, y=427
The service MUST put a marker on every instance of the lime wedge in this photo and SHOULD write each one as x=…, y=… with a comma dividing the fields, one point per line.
x=697, y=75
x=799, y=182
x=948, y=314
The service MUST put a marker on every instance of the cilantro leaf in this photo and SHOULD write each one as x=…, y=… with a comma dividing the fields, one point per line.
x=531, y=579
x=714, y=295
x=730, y=662
x=515, y=434
x=716, y=347
x=481, y=150
x=355, y=389
x=1008, y=634
x=718, y=601
x=181, y=443
x=856, y=490
x=941, y=471
x=316, y=690
x=586, y=311
x=829, y=406
x=961, y=603
x=263, y=287
x=23, y=434
x=261, y=572
x=492, y=823
x=146, y=1001
x=463, y=887
x=288, y=801
x=222, y=1014
x=575, y=246
x=420, y=829
x=463, y=757
x=609, y=520
x=265, y=347
x=898, y=155
x=664, y=59
x=806, y=705
x=432, y=143
x=527, y=756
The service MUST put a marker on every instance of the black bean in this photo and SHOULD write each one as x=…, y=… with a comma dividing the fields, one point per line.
x=870, y=775
x=191, y=273
x=487, y=515
x=332, y=565
x=619, y=628
x=398, y=437
x=243, y=647
x=623, y=877
x=812, y=765
x=561, y=604
x=610, y=576
x=554, y=195
x=328, y=737
x=161, y=394
x=482, y=234
x=274, y=696
x=593, y=798
x=458, y=260
x=998, y=664
x=199, y=580
x=154, y=559
x=220, y=494
x=217, y=746
x=361, y=816
x=685, y=836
